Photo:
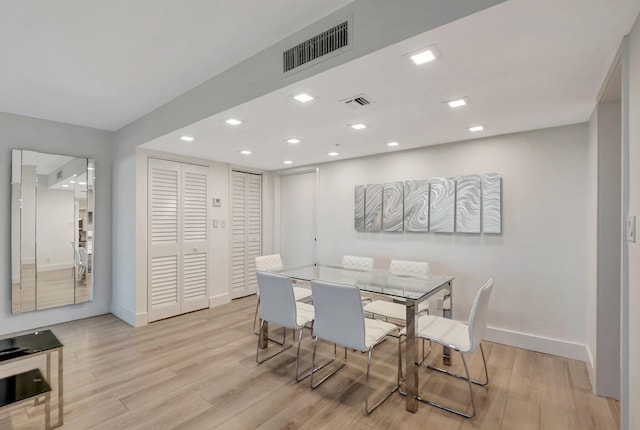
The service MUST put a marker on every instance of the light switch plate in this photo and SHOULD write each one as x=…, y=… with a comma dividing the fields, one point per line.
x=631, y=228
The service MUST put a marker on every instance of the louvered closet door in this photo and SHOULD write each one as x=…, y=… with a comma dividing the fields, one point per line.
x=163, y=268
x=177, y=238
x=194, y=238
x=246, y=236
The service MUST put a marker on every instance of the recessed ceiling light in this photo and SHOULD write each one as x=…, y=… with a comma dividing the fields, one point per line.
x=359, y=126
x=393, y=143
x=288, y=162
x=303, y=97
x=233, y=121
x=423, y=57
x=476, y=128
x=246, y=152
x=82, y=183
x=333, y=154
x=458, y=102
x=65, y=186
x=72, y=182
x=90, y=168
x=187, y=138
x=293, y=140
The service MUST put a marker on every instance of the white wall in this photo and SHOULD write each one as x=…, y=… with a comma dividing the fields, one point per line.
x=608, y=248
x=630, y=413
x=538, y=262
x=46, y=136
x=592, y=243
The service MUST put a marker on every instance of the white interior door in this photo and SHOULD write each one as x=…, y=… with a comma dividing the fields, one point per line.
x=163, y=268
x=195, y=243
x=177, y=269
x=298, y=218
x=246, y=234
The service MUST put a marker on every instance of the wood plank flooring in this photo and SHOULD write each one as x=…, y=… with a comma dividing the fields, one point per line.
x=198, y=371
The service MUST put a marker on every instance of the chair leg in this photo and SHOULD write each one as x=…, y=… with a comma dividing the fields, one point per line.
x=255, y=318
x=455, y=411
x=368, y=410
x=315, y=369
x=262, y=360
x=257, y=331
x=486, y=374
x=308, y=373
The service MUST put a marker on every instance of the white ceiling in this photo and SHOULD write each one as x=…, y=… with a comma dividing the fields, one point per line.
x=525, y=64
x=103, y=64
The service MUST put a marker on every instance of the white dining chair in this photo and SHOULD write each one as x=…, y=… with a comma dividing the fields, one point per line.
x=353, y=262
x=339, y=319
x=269, y=263
x=278, y=306
x=84, y=261
x=398, y=311
x=462, y=337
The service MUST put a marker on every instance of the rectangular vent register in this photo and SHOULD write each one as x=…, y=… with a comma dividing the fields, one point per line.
x=330, y=41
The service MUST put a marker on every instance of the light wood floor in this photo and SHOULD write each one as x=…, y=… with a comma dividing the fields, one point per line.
x=198, y=371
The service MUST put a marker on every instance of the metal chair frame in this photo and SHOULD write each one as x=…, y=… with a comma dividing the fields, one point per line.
x=314, y=384
x=479, y=308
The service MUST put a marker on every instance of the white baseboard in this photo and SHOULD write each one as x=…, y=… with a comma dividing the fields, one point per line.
x=142, y=319
x=591, y=367
x=125, y=315
x=545, y=345
x=218, y=300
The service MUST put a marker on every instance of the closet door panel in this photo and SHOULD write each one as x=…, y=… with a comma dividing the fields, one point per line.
x=195, y=243
x=238, y=235
x=163, y=239
x=254, y=229
x=246, y=232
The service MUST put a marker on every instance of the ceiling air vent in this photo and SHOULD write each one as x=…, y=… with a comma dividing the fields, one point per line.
x=357, y=102
x=317, y=47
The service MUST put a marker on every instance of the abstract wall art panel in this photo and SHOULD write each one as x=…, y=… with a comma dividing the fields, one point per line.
x=442, y=207
x=492, y=203
x=359, y=208
x=392, y=206
x=416, y=206
x=373, y=207
x=468, y=204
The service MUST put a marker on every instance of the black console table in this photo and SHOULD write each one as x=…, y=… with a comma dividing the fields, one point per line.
x=33, y=345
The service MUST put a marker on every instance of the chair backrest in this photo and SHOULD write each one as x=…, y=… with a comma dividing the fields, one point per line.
x=277, y=302
x=339, y=317
x=269, y=262
x=418, y=269
x=357, y=263
x=76, y=255
x=84, y=256
x=478, y=316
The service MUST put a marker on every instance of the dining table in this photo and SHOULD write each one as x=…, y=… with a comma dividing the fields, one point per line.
x=408, y=290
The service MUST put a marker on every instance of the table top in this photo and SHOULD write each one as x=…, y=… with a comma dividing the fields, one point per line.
x=22, y=386
x=28, y=344
x=379, y=281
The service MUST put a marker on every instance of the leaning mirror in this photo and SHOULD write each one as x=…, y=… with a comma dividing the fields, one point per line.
x=52, y=201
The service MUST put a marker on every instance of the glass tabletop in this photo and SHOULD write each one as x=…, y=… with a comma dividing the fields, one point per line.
x=27, y=344
x=379, y=281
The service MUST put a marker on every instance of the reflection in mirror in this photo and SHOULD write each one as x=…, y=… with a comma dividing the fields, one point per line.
x=52, y=230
